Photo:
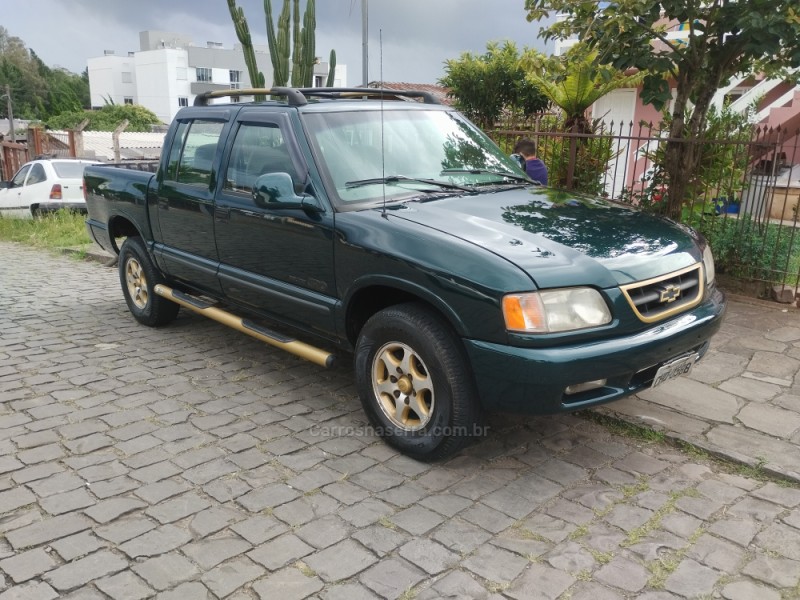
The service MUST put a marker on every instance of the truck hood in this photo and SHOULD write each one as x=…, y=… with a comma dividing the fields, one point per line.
x=562, y=239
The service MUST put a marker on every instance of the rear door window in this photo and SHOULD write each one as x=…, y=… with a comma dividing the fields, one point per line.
x=191, y=156
x=198, y=152
x=68, y=170
x=37, y=175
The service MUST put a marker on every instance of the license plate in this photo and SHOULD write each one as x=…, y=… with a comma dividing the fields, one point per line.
x=675, y=368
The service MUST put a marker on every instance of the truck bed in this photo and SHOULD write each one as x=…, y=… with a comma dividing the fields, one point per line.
x=118, y=191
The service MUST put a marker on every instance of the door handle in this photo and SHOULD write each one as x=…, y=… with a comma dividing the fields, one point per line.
x=222, y=213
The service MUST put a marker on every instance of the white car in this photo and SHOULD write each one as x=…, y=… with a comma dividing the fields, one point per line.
x=42, y=186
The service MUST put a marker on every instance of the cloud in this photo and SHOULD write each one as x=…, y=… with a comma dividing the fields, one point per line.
x=418, y=35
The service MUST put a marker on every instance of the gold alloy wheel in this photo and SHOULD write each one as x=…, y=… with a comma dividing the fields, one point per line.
x=137, y=283
x=403, y=386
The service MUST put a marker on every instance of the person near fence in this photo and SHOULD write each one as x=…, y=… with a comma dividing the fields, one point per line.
x=534, y=167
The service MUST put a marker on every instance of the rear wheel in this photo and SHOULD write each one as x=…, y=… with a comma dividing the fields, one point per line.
x=414, y=383
x=139, y=277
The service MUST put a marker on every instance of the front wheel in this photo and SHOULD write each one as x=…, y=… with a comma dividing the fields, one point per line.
x=139, y=277
x=414, y=382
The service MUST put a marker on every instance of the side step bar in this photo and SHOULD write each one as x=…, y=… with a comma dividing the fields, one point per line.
x=311, y=353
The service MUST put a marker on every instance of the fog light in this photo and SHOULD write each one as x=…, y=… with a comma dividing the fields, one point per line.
x=585, y=387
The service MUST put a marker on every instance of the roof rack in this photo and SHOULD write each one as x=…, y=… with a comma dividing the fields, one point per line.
x=293, y=96
x=299, y=96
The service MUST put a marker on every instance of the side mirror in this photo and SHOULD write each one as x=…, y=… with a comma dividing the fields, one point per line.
x=276, y=191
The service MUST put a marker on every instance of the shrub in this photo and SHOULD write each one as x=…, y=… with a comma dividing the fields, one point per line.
x=107, y=118
x=746, y=249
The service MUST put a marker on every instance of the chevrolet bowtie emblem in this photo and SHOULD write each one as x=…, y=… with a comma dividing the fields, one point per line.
x=670, y=293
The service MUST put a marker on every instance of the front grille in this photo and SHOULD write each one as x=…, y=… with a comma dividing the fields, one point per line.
x=664, y=296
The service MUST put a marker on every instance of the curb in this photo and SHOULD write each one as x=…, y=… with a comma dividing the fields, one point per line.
x=715, y=452
x=93, y=254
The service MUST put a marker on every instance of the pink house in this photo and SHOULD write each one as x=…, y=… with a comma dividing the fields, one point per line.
x=622, y=111
x=777, y=116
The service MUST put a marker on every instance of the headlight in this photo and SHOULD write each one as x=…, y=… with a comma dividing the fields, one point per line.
x=708, y=265
x=550, y=311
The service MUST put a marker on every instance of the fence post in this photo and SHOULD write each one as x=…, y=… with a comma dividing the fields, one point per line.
x=35, y=140
x=76, y=139
x=115, y=139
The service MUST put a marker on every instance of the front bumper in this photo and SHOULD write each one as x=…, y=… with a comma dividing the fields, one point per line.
x=533, y=380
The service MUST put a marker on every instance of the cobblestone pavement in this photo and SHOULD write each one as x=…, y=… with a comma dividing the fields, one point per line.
x=192, y=462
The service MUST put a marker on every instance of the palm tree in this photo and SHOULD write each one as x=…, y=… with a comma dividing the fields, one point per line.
x=574, y=81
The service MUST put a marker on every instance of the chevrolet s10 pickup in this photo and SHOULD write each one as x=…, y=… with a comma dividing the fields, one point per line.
x=381, y=225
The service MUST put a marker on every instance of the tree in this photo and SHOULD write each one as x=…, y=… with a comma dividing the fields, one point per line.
x=20, y=72
x=725, y=37
x=574, y=81
x=37, y=91
x=485, y=86
x=65, y=91
x=107, y=118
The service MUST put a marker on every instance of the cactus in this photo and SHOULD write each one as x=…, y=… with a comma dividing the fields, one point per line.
x=298, y=43
x=331, y=69
x=281, y=40
x=303, y=56
x=243, y=33
x=278, y=43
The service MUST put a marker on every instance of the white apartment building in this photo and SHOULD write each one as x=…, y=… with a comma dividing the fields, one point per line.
x=168, y=72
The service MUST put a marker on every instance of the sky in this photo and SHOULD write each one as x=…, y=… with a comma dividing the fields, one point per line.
x=418, y=35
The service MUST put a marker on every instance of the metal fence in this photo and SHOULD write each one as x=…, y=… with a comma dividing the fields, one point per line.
x=744, y=197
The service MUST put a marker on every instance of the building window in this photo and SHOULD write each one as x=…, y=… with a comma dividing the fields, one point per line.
x=127, y=77
x=318, y=81
x=183, y=101
x=203, y=74
x=128, y=100
x=236, y=79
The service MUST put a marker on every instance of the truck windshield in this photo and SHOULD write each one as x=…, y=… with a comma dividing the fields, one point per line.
x=399, y=153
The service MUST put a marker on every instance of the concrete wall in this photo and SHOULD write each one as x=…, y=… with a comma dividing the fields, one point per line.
x=155, y=40
x=163, y=77
x=106, y=79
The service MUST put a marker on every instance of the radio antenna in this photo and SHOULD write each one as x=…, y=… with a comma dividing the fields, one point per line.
x=383, y=146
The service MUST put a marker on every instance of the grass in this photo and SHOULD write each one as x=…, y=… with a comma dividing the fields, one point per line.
x=64, y=229
x=654, y=522
x=623, y=428
x=305, y=569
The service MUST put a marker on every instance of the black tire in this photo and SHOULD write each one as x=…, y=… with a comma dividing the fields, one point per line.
x=139, y=277
x=426, y=405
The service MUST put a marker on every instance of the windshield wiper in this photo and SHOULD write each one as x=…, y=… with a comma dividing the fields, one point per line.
x=489, y=172
x=398, y=178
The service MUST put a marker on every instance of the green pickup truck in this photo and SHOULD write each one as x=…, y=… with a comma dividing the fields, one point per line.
x=381, y=225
